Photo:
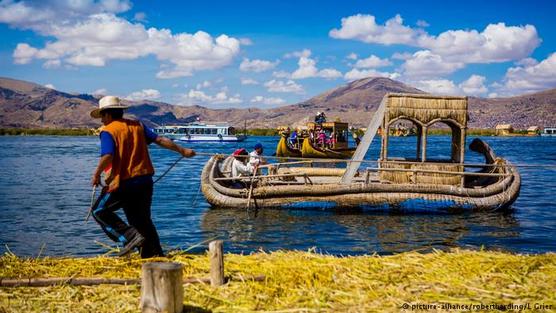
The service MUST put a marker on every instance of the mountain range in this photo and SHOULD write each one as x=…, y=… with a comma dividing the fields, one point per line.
x=29, y=105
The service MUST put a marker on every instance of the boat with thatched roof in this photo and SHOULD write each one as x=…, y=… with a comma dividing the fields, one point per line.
x=333, y=145
x=409, y=184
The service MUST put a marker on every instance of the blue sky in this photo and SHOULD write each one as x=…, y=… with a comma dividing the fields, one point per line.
x=265, y=54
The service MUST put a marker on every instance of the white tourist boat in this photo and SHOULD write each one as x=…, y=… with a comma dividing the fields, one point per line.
x=549, y=131
x=220, y=132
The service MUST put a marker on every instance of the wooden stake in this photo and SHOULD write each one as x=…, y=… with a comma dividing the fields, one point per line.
x=216, y=256
x=161, y=287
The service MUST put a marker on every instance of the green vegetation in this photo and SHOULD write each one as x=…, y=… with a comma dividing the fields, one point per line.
x=46, y=132
x=298, y=282
x=471, y=132
x=262, y=132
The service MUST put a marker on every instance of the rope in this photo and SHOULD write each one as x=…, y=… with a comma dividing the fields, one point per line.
x=169, y=168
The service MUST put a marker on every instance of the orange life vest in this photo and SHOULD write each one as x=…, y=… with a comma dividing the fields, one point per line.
x=131, y=156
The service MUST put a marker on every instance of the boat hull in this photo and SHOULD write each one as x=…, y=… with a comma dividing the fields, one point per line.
x=284, y=150
x=370, y=197
x=201, y=138
x=310, y=151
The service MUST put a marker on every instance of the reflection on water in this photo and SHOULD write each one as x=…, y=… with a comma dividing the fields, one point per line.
x=45, y=194
x=356, y=232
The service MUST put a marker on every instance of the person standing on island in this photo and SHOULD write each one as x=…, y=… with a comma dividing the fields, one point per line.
x=123, y=146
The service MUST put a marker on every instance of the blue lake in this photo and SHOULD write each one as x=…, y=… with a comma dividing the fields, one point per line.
x=45, y=195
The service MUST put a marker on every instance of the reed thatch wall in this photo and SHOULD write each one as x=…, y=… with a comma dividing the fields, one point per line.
x=427, y=108
x=403, y=177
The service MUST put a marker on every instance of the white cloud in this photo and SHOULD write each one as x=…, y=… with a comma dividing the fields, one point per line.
x=246, y=41
x=364, y=28
x=100, y=92
x=280, y=86
x=140, y=17
x=531, y=77
x=201, y=98
x=50, y=86
x=257, y=65
x=438, y=86
x=422, y=23
x=307, y=68
x=145, y=94
x=424, y=63
x=401, y=56
x=355, y=74
x=352, y=56
x=372, y=62
x=204, y=84
x=249, y=81
x=281, y=74
x=97, y=39
x=41, y=16
x=496, y=43
x=298, y=54
x=474, y=86
x=50, y=64
x=268, y=101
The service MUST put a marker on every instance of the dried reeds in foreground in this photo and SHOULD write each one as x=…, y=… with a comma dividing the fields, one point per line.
x=297, y=282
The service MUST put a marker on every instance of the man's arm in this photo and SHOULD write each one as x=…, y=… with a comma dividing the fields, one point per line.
x=104, y=162
x=170, y=145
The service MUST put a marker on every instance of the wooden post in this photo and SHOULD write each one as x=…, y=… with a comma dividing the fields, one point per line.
x=216, y=257
x=161, y=287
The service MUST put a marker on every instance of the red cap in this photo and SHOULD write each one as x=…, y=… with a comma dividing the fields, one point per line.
x=240, y=151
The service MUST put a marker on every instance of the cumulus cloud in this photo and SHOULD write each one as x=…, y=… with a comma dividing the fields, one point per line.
x=88, y=33
x=496, y=43
x=532, y=76
x=364, y=28
x=424, y=63
x=280, y=86
x=307, y=68
x=355, y=74
x=257, y=65
x=372, y=62
x=199, y=97
x=50, y=86
x=140, y=17
x=352, y=56
x=246, y=41
x=474, y=86
x=422, y=23
x=249, y=81
x=145, y=94
x=100, y=92
x=204, y=84
x=438, y=86
x=268, y=101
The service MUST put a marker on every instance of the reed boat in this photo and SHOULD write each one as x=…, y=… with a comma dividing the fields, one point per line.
x=338, y=149
x=408, y=185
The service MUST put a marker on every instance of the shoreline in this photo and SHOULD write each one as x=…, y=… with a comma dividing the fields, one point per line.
x=250, y=132
x=299, y=282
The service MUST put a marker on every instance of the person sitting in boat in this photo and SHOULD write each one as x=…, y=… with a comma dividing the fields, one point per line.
x=321, y=138
x=255, y=156
x=241, y=167
x=355, y=137
x=332, y=141
x=293, y=138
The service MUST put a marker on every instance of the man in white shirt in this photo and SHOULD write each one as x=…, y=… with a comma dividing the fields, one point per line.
x=255, y=158
x=240, y=167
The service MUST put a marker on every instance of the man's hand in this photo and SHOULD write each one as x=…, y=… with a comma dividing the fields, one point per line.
x=188, y=153
x=95, y=180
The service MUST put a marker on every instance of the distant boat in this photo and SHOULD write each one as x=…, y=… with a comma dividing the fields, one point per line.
x=549, y=131
x=200, y=132
x=337, y=149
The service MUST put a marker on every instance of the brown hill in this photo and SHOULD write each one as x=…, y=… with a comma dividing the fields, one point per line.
x=24, y=104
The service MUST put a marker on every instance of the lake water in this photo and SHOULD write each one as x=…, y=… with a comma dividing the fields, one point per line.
x=45, y=194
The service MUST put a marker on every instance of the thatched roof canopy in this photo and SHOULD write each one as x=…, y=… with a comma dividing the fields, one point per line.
x=533, y=129
x=426, y=109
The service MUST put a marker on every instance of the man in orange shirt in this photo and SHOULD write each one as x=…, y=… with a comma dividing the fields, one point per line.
x=129, y=186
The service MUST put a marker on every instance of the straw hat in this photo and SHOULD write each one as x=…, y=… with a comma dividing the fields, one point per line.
x=108, y=102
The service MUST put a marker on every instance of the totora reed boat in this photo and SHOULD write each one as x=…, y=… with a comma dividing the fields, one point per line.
x=417, y=184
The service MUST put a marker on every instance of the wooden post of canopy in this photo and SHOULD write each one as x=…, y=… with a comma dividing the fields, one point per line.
x=161, y=287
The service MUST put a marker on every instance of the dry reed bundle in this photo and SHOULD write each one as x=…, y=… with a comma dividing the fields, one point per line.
x=298, y=282
x=426, y=108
